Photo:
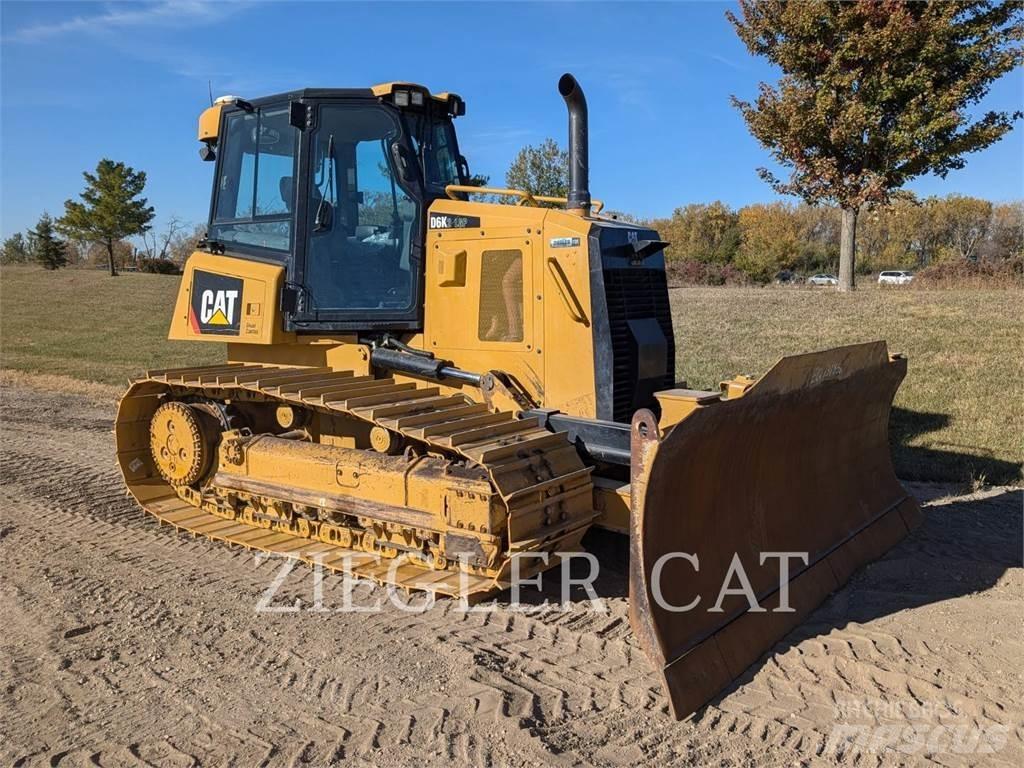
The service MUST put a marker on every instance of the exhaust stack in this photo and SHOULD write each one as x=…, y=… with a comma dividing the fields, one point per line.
x=579, y=162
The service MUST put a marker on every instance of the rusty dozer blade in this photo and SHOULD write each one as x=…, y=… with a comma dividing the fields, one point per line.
x=799, y=464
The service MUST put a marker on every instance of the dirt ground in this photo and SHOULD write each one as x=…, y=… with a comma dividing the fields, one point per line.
x=123, y=643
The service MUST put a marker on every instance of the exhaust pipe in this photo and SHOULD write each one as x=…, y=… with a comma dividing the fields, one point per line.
x=579, y=162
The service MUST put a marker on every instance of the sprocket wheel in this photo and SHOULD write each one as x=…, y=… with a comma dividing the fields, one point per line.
x=181, y=444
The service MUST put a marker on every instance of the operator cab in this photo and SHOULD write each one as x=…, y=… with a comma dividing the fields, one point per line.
x=335, y=184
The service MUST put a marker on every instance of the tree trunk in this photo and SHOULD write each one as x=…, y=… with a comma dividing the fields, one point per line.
x=113, y=269
x=848, y=250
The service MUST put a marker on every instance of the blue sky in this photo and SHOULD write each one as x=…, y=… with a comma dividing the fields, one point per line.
x=81, y=81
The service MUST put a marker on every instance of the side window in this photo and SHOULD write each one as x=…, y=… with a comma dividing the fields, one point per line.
x=501, y=296
x=444, y=155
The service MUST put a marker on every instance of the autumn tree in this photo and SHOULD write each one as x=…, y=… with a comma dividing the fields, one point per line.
x=540, y=170
x=874, y=93
x=967, y=219
x=49, y=250
x=110, y=209
x=1005, y=236
x=818, y=238
x=707, y=232
x=770, y=239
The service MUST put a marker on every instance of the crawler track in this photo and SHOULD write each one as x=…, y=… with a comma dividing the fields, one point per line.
x=538, y=475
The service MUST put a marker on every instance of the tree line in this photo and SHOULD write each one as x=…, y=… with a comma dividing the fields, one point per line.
x=759, y=241
x=95, y=229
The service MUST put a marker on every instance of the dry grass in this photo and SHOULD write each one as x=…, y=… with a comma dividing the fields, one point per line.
x=100, y=393
x=84, y=324
x=959, y=415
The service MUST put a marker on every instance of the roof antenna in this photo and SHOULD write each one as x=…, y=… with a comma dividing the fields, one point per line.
x=209, y=84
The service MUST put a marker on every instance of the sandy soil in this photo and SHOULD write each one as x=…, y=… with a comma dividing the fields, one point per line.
x=122, y=643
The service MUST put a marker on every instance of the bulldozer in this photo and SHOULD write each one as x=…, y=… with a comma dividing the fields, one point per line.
x=443, y=387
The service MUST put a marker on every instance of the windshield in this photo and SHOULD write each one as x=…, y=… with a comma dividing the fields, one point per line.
x=361, y=221
x=254, y=194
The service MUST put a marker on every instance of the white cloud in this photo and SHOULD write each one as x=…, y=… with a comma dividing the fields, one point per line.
x=167, y=13
x=731, y=63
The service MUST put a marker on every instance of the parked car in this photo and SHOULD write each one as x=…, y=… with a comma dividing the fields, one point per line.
x=895, y=277
x=823, y=279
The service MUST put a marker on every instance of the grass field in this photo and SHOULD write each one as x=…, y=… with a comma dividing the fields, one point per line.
x=959, y=415
x=87, y=325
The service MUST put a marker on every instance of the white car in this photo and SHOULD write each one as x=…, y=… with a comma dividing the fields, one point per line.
x=895, y=277
x=823, y=280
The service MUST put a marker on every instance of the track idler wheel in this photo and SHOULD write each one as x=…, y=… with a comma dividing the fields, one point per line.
x=182, y=441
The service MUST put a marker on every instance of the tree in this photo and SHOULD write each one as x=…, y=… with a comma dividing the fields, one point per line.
x=16, y=250
x=185, y=243
x=98, y=256
x=111, y=208
x=540, y=170
x=706, y=232
x=49, y=251
x=968, y=219
x=1005, y=237
x=874, y=93
x=770, y=240
x=818, y=246
x=158, y=246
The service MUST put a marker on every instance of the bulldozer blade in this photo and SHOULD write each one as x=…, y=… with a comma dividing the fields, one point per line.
x=799, y=464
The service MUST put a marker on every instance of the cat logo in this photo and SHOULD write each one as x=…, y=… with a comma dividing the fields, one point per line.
x=216, y=305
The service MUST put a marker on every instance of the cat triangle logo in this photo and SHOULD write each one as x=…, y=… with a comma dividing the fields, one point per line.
x=216, y=303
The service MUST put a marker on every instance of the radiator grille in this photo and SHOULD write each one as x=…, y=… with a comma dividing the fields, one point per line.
x=634, y=294
x=501, y=296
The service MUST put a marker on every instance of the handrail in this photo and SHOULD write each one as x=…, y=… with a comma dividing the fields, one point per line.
x=572, y=303
x=525, y=197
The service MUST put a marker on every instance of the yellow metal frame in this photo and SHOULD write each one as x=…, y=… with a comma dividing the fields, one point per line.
x=385, y=89
x=525, y=198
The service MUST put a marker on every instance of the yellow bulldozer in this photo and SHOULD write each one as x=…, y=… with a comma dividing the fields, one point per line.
x=445, y=393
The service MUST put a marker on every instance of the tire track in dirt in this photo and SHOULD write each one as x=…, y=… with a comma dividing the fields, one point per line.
x=476, y=688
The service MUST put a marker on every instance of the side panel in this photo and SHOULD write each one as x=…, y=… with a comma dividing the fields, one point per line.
x=223, y=298
x=473, y=285
x=481, y=275
x=570, y=322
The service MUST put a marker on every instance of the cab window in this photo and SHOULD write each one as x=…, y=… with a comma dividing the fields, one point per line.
x=433, y=140
x=361, y=221
x=254, y=193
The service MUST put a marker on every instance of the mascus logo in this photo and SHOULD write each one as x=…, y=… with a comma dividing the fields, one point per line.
x=216, y=305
